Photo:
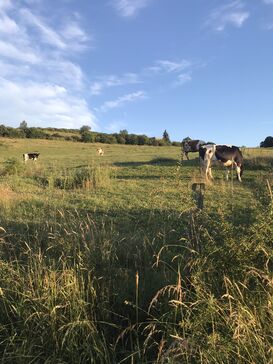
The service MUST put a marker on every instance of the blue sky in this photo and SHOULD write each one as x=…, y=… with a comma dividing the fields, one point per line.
x=197, y=68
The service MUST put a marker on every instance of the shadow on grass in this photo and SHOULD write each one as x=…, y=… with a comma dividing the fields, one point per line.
x=121, y=253
x=139, y=177
x=156, y=162
x=190, y=163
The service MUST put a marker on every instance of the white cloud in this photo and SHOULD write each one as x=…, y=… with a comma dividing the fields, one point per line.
x=180, y=70
x=69, y=37
x=43, y=105
x=38, y=81
x=163, y=66
x=113, y=81
x=115, y=126
x=5, y=4
x=10, y=51
x=183, y=78
x=8, y=25
x=49, y=36
x=166, y=68
x=268, y=2
x=73, y=31
x=128, y=8
x=7, y=69
x=120, y=101
x=65, y=72
x=233, y=14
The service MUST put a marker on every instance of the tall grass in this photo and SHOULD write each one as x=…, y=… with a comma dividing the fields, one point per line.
x=99, y=266
x=219, y=307
x=89, y=177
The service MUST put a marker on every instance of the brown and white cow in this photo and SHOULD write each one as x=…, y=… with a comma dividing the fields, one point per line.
x=100, y=151
x=27, y=156
x=188, y=146
x=228, y=156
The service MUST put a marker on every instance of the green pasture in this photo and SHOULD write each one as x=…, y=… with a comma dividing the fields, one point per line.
x=110, y=260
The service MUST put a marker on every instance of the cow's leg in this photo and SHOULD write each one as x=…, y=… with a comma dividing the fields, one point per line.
x=210, y=174
x=238, y=170
x=227, y=173
x=187, y=156
x=206, y=168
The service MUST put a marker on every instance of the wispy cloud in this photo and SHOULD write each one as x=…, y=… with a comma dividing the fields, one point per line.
x=115, y=126
x=120, y=101
x=163, y=66
x=8, y=25
x=177, y=72
x=10, y=51
x=38, y=80
x=233, y=14
x=72, y=31
x=183, y=78
x=5, y=4
x=113, y=81
x=128, y=8
x=268, y=2
x=49, y=35
x=268, y=26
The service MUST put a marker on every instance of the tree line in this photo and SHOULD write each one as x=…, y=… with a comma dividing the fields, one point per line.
x=267, y=143
x=84, y=135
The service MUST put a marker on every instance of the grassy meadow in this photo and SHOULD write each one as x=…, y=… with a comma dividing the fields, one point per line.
x=110, y=260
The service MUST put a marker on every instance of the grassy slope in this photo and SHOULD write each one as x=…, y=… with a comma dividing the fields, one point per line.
x=73, y=254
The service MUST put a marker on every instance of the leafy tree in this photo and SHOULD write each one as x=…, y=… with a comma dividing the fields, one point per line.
x=120, y=138
x=87, y=137
x=153, y=141
x=176, y=144
x=105, y=138
x=142, y=140
x=85, y=128
x=132, y=139
x=166, y=137
x=186, y=139
x=162, y=142
x=4, y=131
x=35, y=133
x=267, y=143
x=23, y=125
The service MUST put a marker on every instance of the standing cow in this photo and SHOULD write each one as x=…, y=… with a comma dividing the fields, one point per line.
x=228, y=156
x=27, y=156
x=188, y=146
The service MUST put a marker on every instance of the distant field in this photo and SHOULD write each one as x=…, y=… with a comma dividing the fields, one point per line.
x=109, y=260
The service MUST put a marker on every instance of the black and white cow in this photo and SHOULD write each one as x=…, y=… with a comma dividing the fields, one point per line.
x=188, y=146
x=34, y=156
x=228, y=156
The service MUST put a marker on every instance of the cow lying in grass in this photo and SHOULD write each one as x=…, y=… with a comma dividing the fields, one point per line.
x=228, y=156
x=27, y=156
x=100, y=151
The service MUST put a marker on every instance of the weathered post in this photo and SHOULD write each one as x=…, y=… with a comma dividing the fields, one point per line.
x=198, y=192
